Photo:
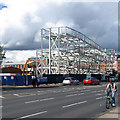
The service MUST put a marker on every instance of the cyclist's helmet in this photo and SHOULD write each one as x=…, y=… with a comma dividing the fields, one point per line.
x=110, y=81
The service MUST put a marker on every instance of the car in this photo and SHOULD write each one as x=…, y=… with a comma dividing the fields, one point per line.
x=91, y=80
x=113, y=78
x=70, y=81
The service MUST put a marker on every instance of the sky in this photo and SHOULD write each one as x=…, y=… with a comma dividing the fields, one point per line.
x=21, y=21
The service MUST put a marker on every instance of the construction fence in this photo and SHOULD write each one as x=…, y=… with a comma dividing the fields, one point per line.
x=50, y=78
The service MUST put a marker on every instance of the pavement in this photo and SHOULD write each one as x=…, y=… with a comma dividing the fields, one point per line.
x=111, y=113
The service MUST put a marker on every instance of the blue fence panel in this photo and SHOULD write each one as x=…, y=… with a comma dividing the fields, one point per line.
x=19, y=81
x=29, y=80
x=4, y=80
x=10, y=81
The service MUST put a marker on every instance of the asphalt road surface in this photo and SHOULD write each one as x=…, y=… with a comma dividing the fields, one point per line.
x=76, y=101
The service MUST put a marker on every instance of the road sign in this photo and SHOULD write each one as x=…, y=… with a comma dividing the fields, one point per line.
x=30, y=72
x=12, y=77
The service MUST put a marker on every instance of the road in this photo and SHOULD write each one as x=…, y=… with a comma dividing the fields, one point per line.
x=76, y=101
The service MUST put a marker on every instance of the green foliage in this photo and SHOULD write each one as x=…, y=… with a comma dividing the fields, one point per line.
x=114, y=72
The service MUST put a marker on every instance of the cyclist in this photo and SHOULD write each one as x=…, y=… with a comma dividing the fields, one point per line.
x=111, y=88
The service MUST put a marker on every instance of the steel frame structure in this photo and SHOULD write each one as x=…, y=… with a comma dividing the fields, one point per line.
x=68, y=51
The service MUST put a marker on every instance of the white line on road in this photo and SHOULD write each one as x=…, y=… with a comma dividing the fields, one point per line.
x=100, y=98
x=2, y=97
x=94, y=92
x=32, y=101
x=74, y=95
x=27, y=116
x=16, y=95
x=74, y=104
x=98, y=94
x=47, y=99
x=81, y=94
x=24, y=95
x=39, y=100
x=100, y=90
x=71, y=95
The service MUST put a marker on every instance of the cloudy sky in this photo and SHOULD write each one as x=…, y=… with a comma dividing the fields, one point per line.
x=21, y=21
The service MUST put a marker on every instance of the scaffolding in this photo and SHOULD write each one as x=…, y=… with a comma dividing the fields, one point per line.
x=67, y=51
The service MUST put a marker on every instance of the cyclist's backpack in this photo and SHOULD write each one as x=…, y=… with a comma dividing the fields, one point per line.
x=115, y=88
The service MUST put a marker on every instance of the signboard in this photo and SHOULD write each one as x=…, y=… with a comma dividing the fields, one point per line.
x=42, y=79
x=30, y=72
x=12, y=77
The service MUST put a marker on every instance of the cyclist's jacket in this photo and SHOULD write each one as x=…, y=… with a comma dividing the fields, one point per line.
x=111, y=86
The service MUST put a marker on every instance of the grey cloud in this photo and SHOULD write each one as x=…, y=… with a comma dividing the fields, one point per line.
x=96, y=20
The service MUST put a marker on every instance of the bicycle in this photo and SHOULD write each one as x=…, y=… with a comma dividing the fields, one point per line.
x=109, y=100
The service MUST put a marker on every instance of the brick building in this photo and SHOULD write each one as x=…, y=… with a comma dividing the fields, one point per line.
x=12, y=64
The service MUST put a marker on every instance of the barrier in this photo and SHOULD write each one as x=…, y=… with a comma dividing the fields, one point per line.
x=16, y=80
x=51, y=78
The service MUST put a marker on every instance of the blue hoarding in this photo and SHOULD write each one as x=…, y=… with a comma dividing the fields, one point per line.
x=42, y=79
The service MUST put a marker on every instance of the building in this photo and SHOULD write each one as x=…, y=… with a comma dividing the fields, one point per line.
x=12, y=64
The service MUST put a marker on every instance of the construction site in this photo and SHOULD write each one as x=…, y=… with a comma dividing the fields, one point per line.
x=67, y=51
x=63, y=52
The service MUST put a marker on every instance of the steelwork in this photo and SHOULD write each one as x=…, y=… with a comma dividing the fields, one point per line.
x=65, y=50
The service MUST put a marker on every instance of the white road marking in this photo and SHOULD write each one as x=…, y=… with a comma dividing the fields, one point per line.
x=98, y=94
x=24, y=95
x=100, y=90
x=16, y=95
x=93, y=91
x=74, y=104
x=47, y=99
x=100, y=98
x=81, y=94
x=30, y=115
x=74, y=95
x=1, y=106
x=40, y=94
x=31, y=101
x=71, y=95
x=2, y=97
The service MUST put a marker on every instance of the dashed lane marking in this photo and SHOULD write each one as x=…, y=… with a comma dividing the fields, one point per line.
x=100, y=98
x=39, y=100
x=74, y=95
x=93, y=91
x=98, y=94
x=47, y=99
x=31, y=115
x=32, y=101
x=74, y=104
x=2, y=97
x=24, y=95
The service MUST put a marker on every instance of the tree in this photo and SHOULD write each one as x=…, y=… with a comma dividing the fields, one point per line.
x=114, y=72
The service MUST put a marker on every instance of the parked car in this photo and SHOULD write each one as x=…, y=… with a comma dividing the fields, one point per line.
x=113, y=78
x=91, y=80
x=70, y=81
